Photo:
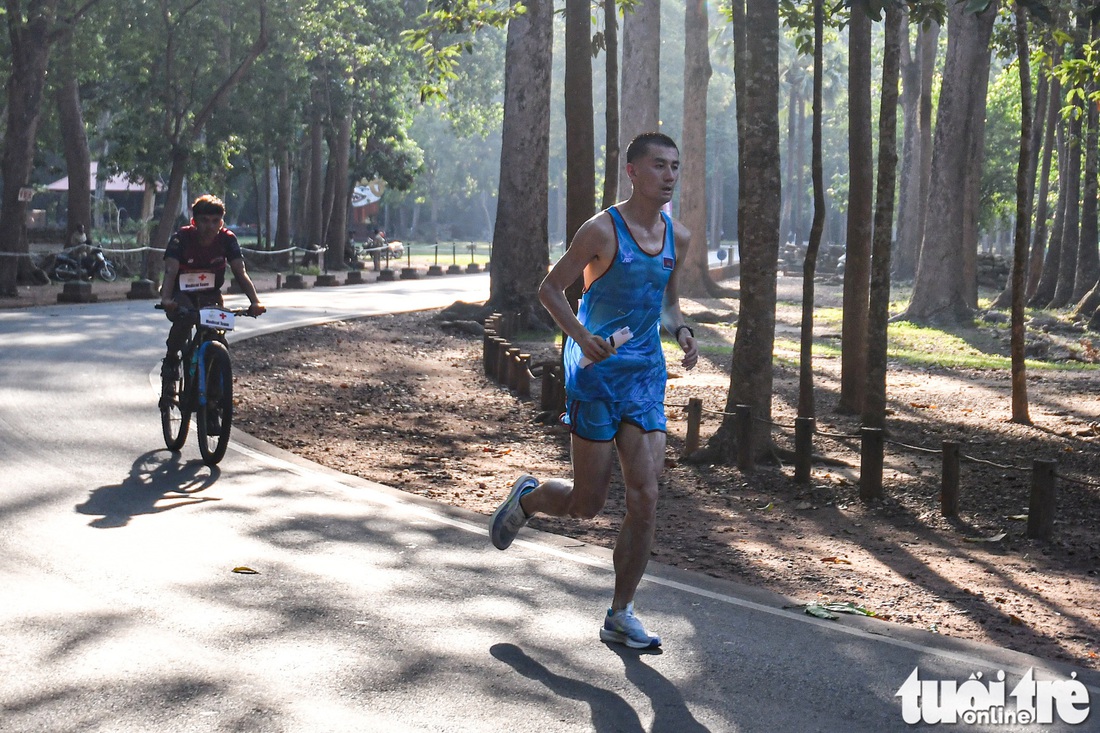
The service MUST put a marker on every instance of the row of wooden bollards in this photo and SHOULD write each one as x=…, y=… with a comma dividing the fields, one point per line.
x=512, y=367
x=1043, y=500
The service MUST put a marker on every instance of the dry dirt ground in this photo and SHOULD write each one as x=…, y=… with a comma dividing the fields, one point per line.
x=403, y=400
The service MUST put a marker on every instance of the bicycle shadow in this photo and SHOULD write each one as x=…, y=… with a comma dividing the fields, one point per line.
x=147, y=489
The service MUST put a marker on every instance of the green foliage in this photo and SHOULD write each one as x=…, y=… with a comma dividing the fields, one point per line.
x=445, y=32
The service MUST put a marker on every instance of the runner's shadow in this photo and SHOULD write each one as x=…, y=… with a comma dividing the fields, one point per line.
x=145, y=490
x=671, y=714
x=609, y=711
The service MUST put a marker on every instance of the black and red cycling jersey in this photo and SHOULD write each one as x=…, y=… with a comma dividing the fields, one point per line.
x=185, y=247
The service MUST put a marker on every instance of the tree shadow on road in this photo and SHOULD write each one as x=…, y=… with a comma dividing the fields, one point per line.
x=146, y=490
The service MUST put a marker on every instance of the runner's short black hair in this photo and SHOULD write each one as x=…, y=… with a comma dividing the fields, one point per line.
x=641, y=145
x=207, y=205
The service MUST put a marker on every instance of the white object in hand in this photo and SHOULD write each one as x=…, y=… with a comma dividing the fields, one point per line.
x=616, y=340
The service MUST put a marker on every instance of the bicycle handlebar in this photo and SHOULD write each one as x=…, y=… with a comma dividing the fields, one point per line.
x=194, y=312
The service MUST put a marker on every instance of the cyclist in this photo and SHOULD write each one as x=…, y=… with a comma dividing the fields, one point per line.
x=194, y=271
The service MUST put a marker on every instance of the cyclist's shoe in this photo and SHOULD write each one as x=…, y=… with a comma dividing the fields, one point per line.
x=509, y=516
x=213, y=422
x=623, y=627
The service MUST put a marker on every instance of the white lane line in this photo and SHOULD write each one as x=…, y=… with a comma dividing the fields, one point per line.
x=413, y=508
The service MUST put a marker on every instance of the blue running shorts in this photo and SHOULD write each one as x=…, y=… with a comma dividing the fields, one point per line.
x=599, y=421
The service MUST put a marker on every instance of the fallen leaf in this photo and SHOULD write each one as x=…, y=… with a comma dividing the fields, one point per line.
x=994, y=538
x=838, y=560
x=245, y=571
x=1015, y=620
x=1019, y=517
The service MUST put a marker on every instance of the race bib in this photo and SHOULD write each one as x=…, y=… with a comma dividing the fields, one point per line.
x=216, y=318
x=190, y=281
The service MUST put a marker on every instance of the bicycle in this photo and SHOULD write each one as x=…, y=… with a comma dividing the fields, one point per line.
x=202, y=384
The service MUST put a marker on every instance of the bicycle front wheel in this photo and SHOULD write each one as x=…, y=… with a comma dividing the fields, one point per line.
x=175, y=413
x=214, y=413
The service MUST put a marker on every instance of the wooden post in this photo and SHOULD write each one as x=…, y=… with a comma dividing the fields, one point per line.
x=1044, y=500
x=502, y=361
x=488, y=356
x=949, y=487
x=546, y=398
x=870, y=463
x=746, y=458
x=523, y=376
x=511, y=373
x=804, y=429
x=694, y=418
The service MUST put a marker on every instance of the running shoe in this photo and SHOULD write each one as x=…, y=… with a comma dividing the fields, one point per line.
x=509, y=516
x=623, y=627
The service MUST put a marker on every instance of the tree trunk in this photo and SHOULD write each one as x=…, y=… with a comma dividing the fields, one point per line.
x=640, y=100
x=787, y=212
x=148, y=209
x=339, y=157
x=1088, y=258
x=695, y=278
x=939, y=290
x=282, y=224
x=857, y=270
x=1025, y=177
x=806, y=401
x=874, y=404
x=520, y=255
x=751, y=375
x=611, y=102
x=972, y=193
x=905, y=259
x=1048, y=278
x=580, y=145
x=1004, y=300
x=1071, y=218
x=1039, y=237
x=78, y=160
x=30, y=54
x=316, y=195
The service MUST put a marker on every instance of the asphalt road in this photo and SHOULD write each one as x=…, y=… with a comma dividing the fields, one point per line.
x=370, y=610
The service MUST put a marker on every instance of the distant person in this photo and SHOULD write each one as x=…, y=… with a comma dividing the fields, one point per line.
x=194, y=271
x=627, y=256
x=79, y=237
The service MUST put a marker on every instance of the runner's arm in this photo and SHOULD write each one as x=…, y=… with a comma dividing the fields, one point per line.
x=589, y=244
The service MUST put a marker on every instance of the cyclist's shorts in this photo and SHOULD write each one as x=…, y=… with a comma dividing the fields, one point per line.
x=599, y=421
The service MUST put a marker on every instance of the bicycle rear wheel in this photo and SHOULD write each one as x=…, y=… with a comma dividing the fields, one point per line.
x=215, y=418
x=175, y=413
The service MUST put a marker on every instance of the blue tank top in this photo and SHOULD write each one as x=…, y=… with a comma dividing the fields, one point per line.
x=630, y=293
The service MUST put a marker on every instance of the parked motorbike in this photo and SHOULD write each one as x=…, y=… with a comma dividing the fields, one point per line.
x=71, y=265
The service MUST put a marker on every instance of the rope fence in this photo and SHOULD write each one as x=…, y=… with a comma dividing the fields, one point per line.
x=508, y=365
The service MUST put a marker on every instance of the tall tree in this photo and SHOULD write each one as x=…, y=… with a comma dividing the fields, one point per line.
x=611, y=102
x=580, y=172
x=751, y=376
x=874, y=404
x=939, y=291
x=857, y=269
x=520, y=237
x=181, y=81
x=74, y=138
x=1042, y=205
x=695, y=276
x=640, y=101
x=34, y=26
x=1048, y=277
x=918, y=66
x=1024, y=178
x=806, y=402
